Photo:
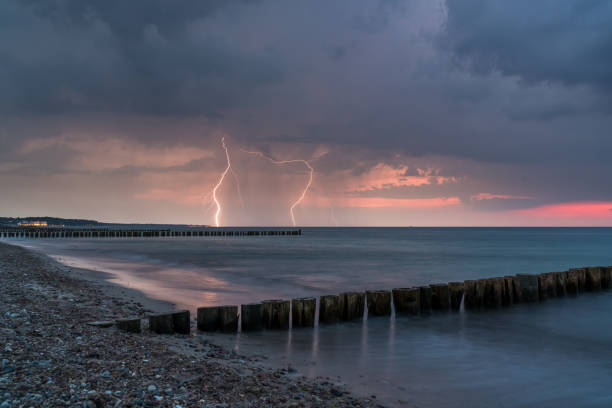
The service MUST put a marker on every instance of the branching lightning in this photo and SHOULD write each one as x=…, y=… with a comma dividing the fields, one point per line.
x=304, y=192
x=214, y=192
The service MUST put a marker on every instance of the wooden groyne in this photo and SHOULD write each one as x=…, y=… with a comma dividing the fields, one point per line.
x=470, y=295
x=40, y=233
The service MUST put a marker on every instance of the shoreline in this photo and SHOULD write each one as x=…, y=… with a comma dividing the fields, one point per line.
x=51, y=357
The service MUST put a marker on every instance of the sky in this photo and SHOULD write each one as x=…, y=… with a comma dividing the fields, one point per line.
x=409, y=112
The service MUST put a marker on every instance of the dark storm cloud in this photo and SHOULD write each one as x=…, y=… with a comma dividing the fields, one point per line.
x=563, y=41
x=130, y=57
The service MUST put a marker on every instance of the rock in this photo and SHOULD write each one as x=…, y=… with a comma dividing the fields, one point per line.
x=151, y=388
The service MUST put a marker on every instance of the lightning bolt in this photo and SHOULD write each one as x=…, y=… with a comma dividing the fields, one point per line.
x=310, y=176
x=214, y=192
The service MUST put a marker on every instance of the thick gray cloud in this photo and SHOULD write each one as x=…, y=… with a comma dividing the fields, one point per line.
x=564, y=41
x=122, y=57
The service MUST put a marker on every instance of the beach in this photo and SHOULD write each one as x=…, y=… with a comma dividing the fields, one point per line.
x=51, y=357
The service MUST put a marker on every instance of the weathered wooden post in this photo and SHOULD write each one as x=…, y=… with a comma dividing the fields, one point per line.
x=455, y=293
x=228, y=319
x=161, y=323
x=329, y=309
x=473, y=294
x=528, y=284
x=440, y=299
x=593, y=279
x=511, y=290
x=208, y=318
x=129, y=325
x=547, y=285
x=251, y=316
x=425, y=294
x=181, y=321
x=303, y=312
x=606, y=277
x=276, y=314
x=576, y=279
x=561, y=283
x=407, y=301
x=379, y=302
x=353, y=305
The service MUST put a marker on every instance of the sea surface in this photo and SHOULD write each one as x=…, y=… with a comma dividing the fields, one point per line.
x=554, y=354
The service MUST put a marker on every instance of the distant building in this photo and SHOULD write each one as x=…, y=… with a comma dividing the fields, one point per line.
x=33, y=224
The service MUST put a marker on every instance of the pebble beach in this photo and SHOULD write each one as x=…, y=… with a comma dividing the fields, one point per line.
x=51, y=357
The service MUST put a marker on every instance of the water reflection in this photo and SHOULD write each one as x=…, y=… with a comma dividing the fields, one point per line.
x=548, y=355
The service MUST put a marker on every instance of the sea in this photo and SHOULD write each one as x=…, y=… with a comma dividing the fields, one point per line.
x=554, y=354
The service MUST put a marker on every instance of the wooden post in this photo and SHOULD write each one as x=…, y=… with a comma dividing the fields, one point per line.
x=353, y=305
x=181, y=321
x=547, y=285
x=161, y=323
x=129, y=325
x=576, y=280
x=228, y=319
x=329, y=309
x=606, y=277
x=511, y=291
x=455, y=290
x=593, y=279
x=426, y=297
x=474, y=294
x=276, y=314
x=303, y=312
x=251, y=316
x=529, y=288
x=440, y=298
x=208, y=318
x=407, y=301
x=379, y=302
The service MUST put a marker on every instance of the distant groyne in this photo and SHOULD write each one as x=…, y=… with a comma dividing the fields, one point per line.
x=470, y=295
x=40, y=233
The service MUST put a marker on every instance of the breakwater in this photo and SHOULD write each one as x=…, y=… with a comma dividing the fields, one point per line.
x=469, y=295
x=40, y=233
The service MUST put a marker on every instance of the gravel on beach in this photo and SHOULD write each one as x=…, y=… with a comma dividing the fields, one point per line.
x=50, y=357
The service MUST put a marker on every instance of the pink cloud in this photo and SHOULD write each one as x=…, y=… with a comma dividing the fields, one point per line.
x=573, y=210
x=376, y=202
x=489, y=196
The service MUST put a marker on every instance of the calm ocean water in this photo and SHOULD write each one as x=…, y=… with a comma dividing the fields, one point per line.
x=550, y=355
